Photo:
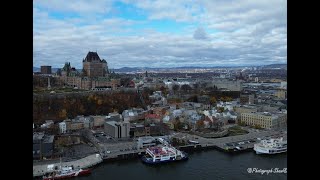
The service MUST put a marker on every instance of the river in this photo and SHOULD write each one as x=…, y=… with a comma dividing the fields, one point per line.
x=205, y=165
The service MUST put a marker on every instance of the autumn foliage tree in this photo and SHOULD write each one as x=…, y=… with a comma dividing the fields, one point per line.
x=213, y=100
x=200, y=124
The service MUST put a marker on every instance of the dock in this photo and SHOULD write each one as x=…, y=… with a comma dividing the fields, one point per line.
x=125, y=150
x=89, y=161
x=230, y=143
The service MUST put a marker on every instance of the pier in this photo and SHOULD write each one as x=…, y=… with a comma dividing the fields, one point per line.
x=89, y=161
x=230, y=143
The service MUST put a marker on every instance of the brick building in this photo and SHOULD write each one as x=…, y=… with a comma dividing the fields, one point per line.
x=93, y=66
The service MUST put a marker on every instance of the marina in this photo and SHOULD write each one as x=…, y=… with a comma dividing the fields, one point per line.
x=231, y=144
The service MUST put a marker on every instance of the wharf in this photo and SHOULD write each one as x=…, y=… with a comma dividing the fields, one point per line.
x=231, y=143
x=89, y=161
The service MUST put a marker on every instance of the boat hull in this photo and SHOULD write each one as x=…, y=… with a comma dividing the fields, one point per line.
x=84, y=172
x=269, y=151
x=60, y=177
x=67, y=176
x=151, y=162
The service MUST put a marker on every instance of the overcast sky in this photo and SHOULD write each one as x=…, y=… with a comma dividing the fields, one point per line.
x=160, y=33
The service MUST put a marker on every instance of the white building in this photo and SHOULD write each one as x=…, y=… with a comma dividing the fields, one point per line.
x=47, y=124
x=283, y=85
x=117, y=129
x=63, y=127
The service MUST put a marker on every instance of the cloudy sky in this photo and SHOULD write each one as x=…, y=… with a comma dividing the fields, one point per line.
x=160, y=33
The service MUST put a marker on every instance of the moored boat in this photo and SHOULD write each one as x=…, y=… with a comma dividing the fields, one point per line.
x=163, y=154
x=66, y=172
x=271, y=146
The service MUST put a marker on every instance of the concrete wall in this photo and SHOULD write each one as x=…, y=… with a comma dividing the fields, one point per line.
x=110, y=130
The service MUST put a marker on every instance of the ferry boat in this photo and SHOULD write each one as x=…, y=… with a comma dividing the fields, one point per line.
x=66, y=172
x=162, y=154
x=271, y=146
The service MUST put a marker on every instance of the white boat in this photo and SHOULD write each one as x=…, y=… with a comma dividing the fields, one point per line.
x=161, y=154
x=271, y=146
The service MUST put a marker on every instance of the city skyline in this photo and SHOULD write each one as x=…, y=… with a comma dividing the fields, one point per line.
x=160, y=33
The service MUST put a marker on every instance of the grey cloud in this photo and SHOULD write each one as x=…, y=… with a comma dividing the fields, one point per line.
x=245, y=32
x=200, y=33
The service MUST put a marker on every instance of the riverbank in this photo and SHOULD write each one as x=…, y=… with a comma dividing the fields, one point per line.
x=204, y=164
x=220, y=144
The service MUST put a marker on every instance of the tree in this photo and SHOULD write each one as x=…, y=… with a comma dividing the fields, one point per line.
x=176, y=123
x=257, y=126
x=203, y=85
x=220, y=109
x=211, y=89
x=164, y=90
x=193, y=98
x=227, y=98
x=241, y=123
x=186, y=88
x=213, y=100
x=200, y=124
x=175, y=88
x=125, y=81
x=196, y=86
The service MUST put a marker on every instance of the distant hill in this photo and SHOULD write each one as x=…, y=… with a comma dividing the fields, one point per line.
x=36, y=69
x=141, y=69
x=136, y=69
x=281, y=66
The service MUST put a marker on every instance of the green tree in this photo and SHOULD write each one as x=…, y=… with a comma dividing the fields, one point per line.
x=220, y=109
x=257, y=126
x=241, y=123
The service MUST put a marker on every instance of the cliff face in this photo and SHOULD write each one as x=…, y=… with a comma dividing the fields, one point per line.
x=58, y=107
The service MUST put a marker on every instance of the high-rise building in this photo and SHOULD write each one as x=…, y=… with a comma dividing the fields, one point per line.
x=246, y=99
x=117, y=129
x=45, y=69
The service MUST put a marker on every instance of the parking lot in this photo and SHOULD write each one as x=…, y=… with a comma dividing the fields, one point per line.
x=103, y=138
x=78, y=151
x=119, y=146
x=233, y=144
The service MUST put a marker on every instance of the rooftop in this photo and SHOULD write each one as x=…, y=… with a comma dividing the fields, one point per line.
x=92, y=56
x=38, y=136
